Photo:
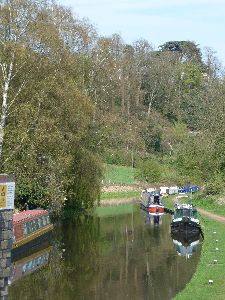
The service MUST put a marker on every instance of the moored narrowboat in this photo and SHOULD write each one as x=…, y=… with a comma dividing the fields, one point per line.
x=185, y=219
x=151, y=202
x=30, y=227
x=156, y=209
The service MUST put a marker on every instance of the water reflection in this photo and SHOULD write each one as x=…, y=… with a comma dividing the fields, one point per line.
x=114, y=255
x=30, y=264
x=186, y=243
x=154, y=219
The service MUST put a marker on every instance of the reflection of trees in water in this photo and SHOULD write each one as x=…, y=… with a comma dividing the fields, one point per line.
x=109, y=258
x=73, y=253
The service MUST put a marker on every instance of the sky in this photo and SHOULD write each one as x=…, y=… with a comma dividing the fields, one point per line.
x=158, y=21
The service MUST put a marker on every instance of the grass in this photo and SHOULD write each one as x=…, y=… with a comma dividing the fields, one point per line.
x=199, y=288
x=118, y=175
x=209, y=203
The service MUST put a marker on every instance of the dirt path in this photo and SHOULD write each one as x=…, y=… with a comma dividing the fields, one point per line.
x=211, y=215
x=121, y=188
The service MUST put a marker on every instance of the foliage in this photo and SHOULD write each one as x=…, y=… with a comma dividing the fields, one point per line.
x=215, y=185
x=187, y=51
x=149, y=171
x=70, y=99
x=45, y=112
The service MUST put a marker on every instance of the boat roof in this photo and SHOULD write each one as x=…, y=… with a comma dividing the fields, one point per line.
x=28, y=215
x=184, y=206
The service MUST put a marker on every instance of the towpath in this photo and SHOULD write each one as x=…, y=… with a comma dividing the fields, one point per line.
x=211, y=215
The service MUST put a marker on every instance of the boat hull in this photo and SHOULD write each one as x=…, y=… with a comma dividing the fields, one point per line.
x=185, y=227
x=30, y=243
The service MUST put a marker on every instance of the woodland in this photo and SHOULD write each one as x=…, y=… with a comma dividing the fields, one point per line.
x=73, y=101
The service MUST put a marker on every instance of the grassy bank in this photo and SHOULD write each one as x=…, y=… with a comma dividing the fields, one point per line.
x=118, y=175
x=209, y=203
x=199, y=288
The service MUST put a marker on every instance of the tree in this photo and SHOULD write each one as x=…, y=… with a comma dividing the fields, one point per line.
x=45, y=113
x=185, y=51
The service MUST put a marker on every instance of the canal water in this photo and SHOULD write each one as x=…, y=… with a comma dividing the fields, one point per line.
x=118, y=253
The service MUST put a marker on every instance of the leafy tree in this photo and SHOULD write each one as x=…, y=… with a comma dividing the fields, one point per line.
x=186, y=51
x=45, y=113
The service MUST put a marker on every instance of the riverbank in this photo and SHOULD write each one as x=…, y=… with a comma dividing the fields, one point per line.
x=120, y=194
x=209, y=278
x=212, y=261
x=210, y=267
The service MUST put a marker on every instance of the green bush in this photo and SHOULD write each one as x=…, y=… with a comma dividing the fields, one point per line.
x=215, y=185
x=149, y=170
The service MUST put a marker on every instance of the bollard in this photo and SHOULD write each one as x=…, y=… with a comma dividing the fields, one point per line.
x=210, y=281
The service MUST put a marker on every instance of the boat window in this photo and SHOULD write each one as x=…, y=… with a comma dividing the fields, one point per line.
x=195, y=214
x=40, y=223
x=44, y=220
x=179, y=213
x=34, y=225
x=27, y=228
x=47, y=219
x=186, y=212
x=31, y=224
x=37, y=226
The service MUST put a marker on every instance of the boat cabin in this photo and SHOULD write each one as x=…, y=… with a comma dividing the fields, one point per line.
x=29, y=225
x=185, y=211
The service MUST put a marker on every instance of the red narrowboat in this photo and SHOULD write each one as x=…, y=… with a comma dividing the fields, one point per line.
x=30, y=227
x=151, y=202
x=156, y=209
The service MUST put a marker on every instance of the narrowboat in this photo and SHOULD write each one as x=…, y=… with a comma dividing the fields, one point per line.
x=30, y=227
x=151, y=202
x=188, y=189
x=185, y=219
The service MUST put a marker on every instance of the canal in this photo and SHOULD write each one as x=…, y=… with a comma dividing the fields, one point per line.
x=118, y=253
